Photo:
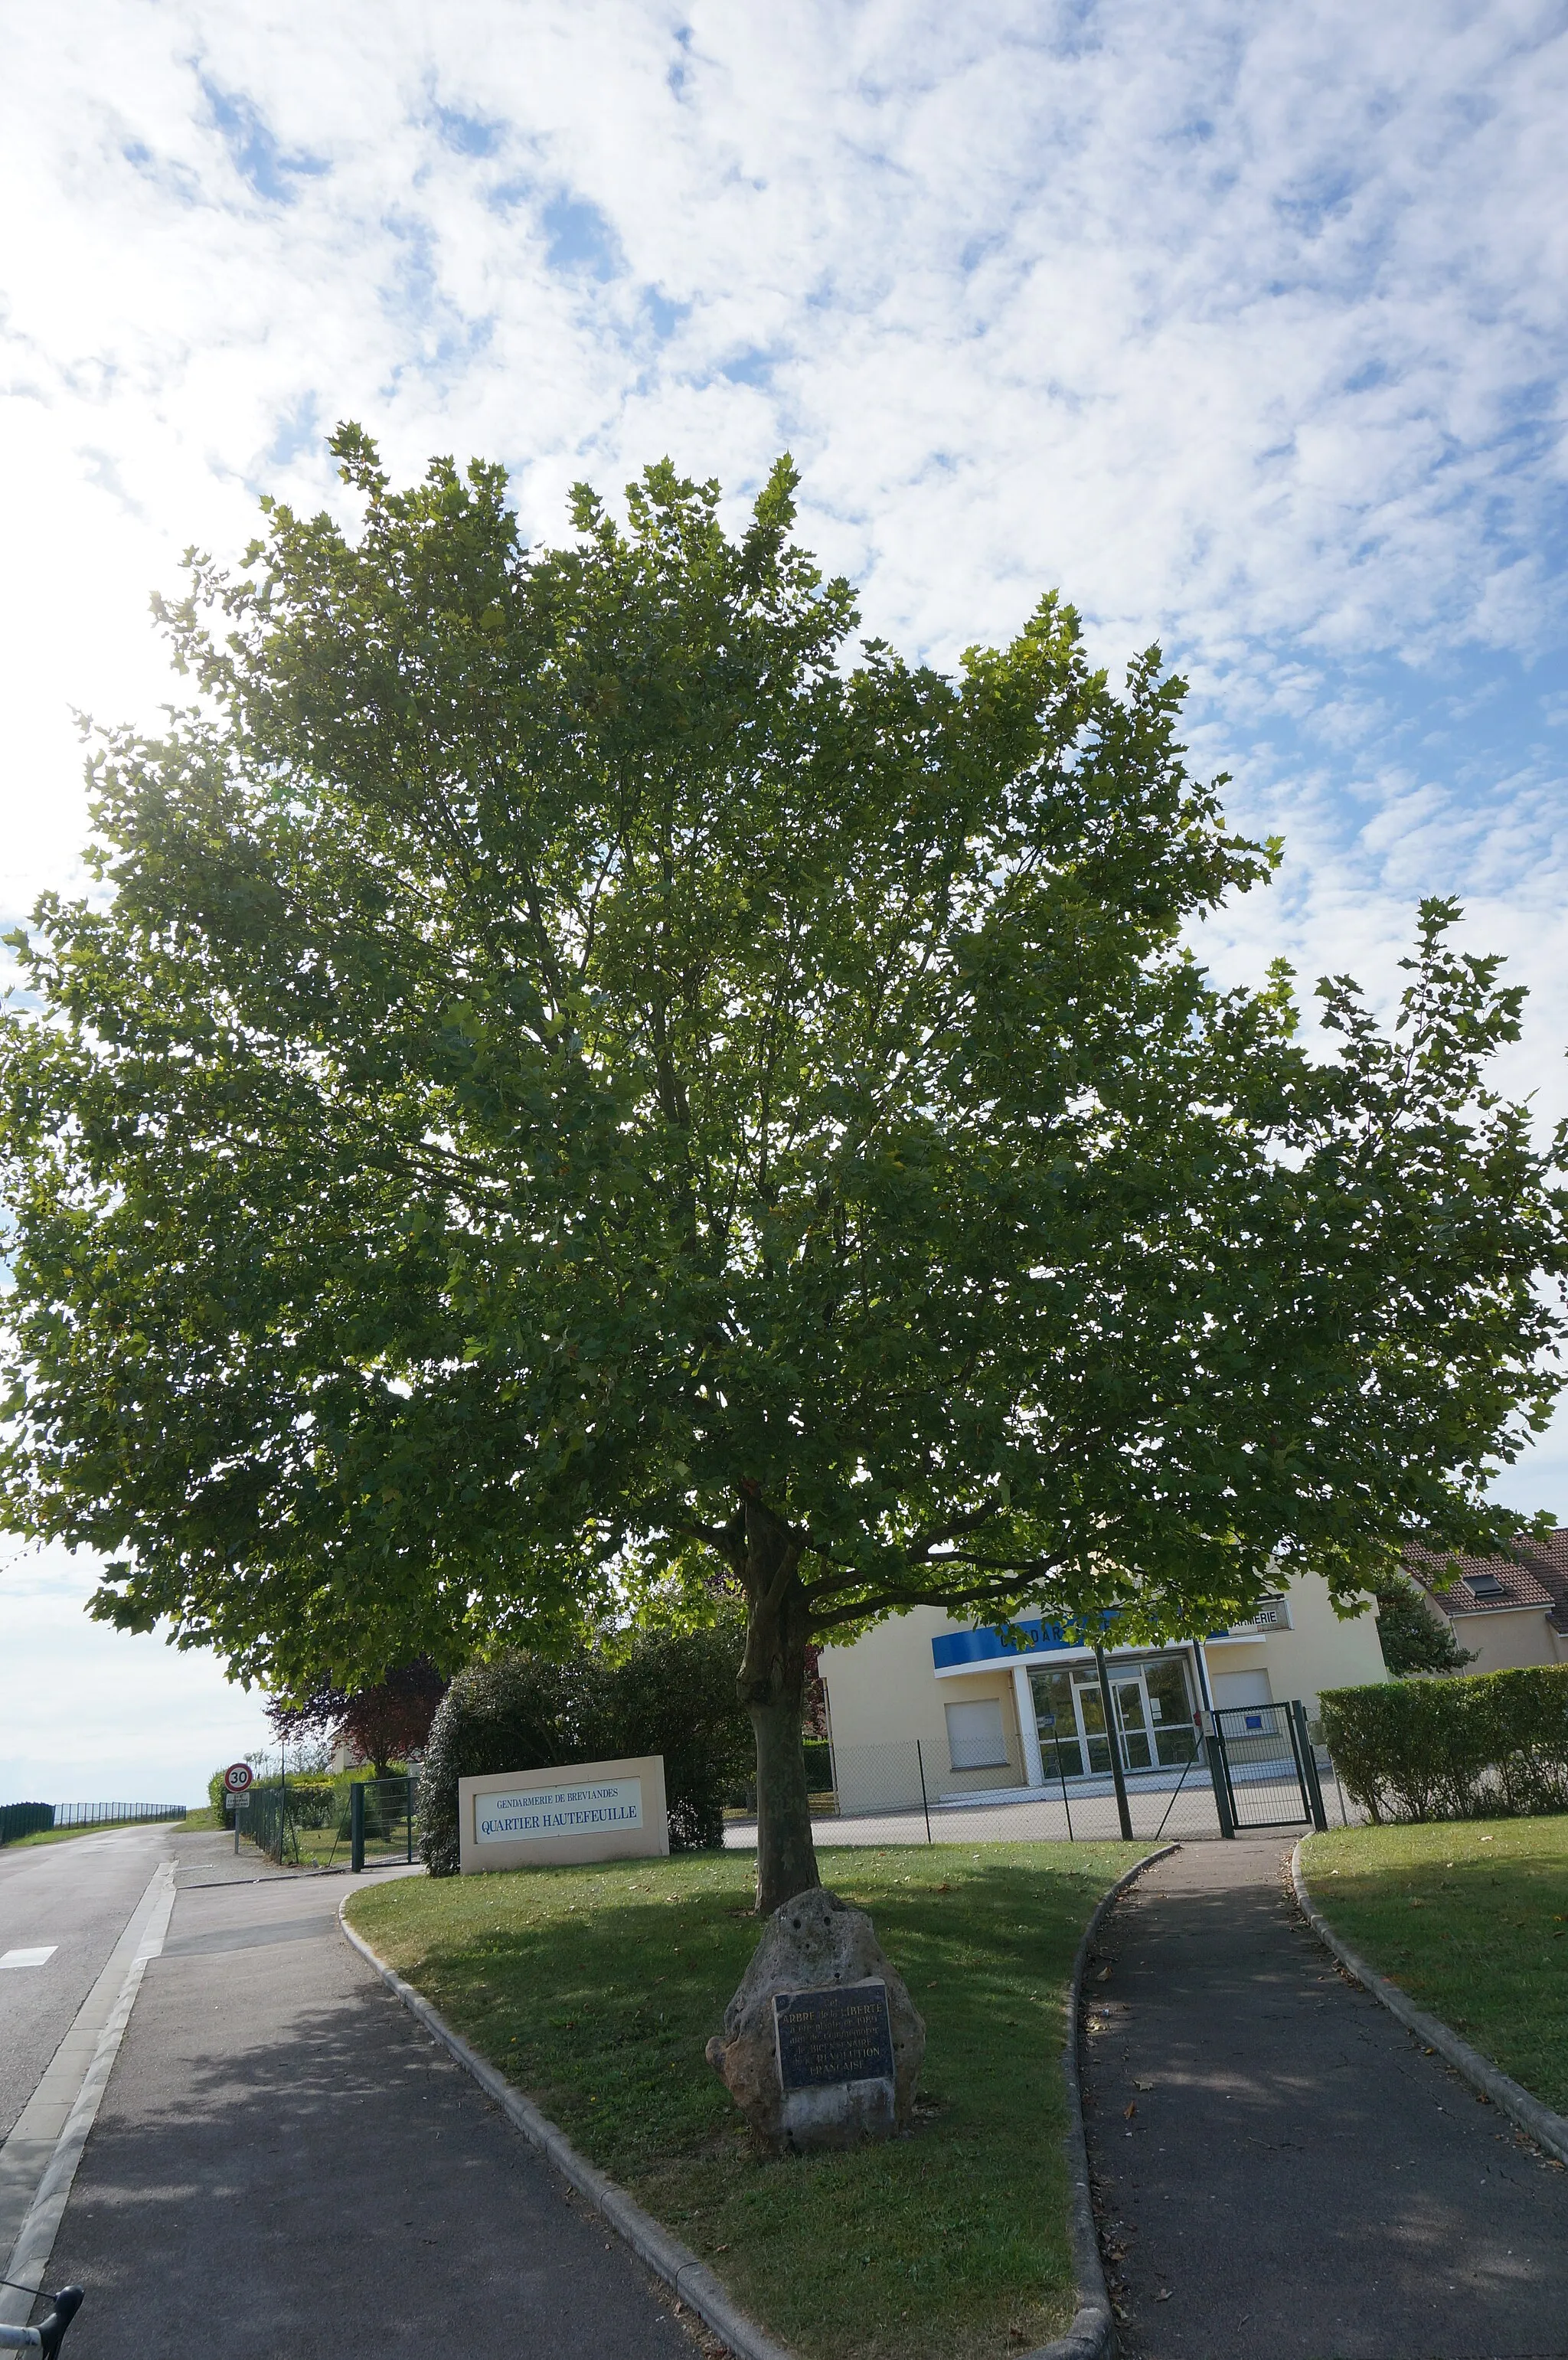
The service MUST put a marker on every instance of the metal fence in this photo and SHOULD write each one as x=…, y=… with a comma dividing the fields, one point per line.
x=909, y=1790
x=306, y=1823
x=18, y=1819
x=1267, y=1766
x=382, y=1820
x=114, y=1815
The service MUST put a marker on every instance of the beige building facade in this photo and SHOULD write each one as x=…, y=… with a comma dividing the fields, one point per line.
x=993, y=1719
x=1504, y=1610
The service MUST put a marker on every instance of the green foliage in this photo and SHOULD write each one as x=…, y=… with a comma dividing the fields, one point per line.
x=1411, y=1637
x=1454, y=1749
x=567, y=1039
x=666, y=1692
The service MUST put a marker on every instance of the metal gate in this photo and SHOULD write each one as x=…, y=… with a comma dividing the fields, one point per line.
x=1268, y=1771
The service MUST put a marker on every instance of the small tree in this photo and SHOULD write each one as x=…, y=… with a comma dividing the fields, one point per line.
x=1412, y=1637
x=578, y=1075
x=379, y=1724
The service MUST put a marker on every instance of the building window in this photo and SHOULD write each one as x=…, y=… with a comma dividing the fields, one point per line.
x=1233, y=1690
x=1154, y=1723
x=975, y=1738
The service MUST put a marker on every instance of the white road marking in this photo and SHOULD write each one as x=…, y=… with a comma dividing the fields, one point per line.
x=29, y=1958
x=30, y=2255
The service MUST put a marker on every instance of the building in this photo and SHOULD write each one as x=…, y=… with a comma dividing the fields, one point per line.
x=1504, y=1610
x=996, y=1720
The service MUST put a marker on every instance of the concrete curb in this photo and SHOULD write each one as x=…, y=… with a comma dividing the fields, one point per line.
x=1547, y=2129
x=1092, y=2332
x=1092, y=2328
x=680, y=2268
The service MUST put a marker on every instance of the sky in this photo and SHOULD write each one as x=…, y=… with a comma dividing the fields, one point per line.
x=1243, y=324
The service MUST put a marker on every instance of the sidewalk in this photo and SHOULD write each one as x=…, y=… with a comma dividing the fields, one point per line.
x=285, y=2168
x=1298, y=2181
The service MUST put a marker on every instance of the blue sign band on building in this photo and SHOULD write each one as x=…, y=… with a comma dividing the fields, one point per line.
x=954, y=1648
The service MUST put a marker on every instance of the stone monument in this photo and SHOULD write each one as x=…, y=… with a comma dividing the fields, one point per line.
x=821, y=2044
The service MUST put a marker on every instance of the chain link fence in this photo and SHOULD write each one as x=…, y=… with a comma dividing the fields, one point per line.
x=319, y=1823
x=909, y=1790
x=19, y=1819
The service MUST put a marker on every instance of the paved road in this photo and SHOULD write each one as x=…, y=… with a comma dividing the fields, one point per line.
x=77, y=1895
x=284, y=2167
x=1298, y=2181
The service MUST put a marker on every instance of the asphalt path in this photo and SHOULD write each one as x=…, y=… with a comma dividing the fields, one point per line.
x=1282, y=2173
x=76, y=1896
x=286, y=2165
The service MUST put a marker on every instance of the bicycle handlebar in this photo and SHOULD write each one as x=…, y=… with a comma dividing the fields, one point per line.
x=50, y=2333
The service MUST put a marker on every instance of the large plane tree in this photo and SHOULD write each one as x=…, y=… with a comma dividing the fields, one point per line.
x=582, y=1079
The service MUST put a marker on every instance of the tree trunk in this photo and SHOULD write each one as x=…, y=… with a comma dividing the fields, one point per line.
x=771, y=1686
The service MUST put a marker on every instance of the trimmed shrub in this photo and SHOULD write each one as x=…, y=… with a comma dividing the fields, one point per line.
x=1479, y=1746
x=669, y=1692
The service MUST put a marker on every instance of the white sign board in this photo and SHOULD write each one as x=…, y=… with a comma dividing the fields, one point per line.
x=577, y=1811
x=557, y=1810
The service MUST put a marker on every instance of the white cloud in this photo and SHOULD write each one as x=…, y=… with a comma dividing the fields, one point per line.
x=94, y=1715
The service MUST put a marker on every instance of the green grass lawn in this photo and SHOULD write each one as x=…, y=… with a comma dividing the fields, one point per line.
x=1471, y=1919
x=595, y=1989
x=108, y=1826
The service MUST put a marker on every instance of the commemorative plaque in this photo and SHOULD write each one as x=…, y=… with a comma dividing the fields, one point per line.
x=822, y=2044
x=841, y=2033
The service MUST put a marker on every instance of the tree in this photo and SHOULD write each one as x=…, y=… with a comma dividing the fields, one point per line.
x=1412, y=1637
x=380, y=1724
x=579, y=1074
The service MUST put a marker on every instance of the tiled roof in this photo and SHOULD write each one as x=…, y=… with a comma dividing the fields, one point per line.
x=1534, y=1574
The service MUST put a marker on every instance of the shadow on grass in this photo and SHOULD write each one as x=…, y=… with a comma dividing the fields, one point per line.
x=595, y=1990
x=1471, y=1919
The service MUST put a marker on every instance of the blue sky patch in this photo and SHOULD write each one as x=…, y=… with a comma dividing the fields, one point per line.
x=467, y=135
x=580, y=239
x=272, y=171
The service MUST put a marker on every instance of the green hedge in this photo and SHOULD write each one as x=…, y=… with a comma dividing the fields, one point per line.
x=19, y=1819
x=669, y=1692
x=1492, y=1743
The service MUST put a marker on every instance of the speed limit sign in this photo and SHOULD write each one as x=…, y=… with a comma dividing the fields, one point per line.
x=238, y=1776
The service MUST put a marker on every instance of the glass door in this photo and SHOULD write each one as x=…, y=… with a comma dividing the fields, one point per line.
x=1130, y=1699
x=1132, y=1713
x=1091, y=1708
x=1150, y=1703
